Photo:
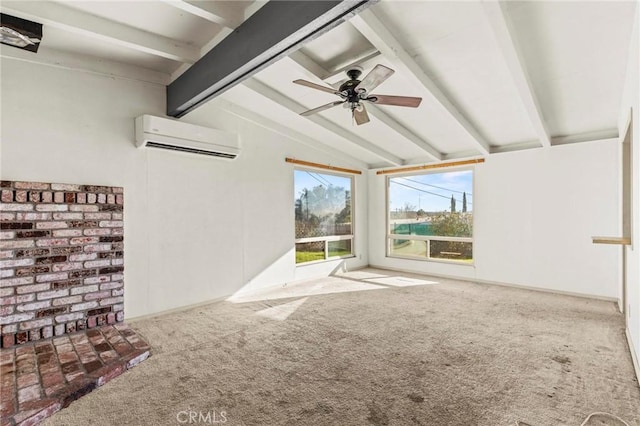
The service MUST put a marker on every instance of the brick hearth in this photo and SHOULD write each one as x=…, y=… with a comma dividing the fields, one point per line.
x=40, y=378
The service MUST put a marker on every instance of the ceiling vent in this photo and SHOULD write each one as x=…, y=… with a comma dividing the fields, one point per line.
x=20, y=33
x=174, y=135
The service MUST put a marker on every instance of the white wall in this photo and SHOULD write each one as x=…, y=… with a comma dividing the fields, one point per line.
x=196, y=228
x=199, y=229
x=631, y=100
x=535, y=212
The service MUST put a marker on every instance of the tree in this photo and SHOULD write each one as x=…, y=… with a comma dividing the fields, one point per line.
x=408, y=210
x=298, y=207
x=453, y=204
x=452, y=225
x=345, y=214
x=464, y=202
x=324, y=200
x=319, y=209
x=305, y=194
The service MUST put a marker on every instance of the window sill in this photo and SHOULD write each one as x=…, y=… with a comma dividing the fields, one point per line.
x=331, y=259
x=445, y=261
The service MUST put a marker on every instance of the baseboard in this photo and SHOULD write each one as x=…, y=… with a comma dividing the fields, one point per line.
x=174, y=310
x=503, y=284
x=552, y=291
x=634, y=356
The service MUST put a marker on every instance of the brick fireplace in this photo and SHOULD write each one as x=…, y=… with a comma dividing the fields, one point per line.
x=61, y=259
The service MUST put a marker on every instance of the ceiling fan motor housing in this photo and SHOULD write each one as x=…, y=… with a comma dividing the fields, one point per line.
x=349, y=86
x=354, y=73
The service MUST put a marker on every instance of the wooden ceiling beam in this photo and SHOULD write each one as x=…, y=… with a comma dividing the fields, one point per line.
x=238, y=111
x=272, y=32
x=87, y=25
x=508, y=43
x=222, y=13
x=383, y=39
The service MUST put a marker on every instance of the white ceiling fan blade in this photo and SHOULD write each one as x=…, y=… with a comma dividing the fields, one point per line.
x=377, y=75
x=321, y=108
x=317, y=86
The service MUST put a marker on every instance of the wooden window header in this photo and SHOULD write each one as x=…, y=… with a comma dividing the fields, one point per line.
x=624, y=241
x=322, y=166
x=430, y=166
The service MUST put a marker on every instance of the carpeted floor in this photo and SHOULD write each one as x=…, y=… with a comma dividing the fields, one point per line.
x=388, y=348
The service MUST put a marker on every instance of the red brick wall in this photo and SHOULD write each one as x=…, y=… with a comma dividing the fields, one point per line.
x=61, y=259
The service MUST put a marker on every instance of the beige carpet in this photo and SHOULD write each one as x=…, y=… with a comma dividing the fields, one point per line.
x=376, y=347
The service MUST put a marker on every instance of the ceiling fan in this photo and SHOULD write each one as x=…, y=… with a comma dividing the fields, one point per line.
x=354, y=92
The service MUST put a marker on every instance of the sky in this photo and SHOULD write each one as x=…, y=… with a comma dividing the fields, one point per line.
x=309, y=179
x=432, y=192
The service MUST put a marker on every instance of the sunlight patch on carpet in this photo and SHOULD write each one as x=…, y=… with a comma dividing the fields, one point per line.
x=328, y=285
x=282, y=312
x=362, y=275
x=400, y=281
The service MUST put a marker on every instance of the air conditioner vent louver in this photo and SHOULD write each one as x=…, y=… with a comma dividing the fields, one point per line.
x=174, y=135
x=190, y=150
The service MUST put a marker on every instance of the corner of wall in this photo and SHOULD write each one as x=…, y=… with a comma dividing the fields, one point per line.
x=629, y=110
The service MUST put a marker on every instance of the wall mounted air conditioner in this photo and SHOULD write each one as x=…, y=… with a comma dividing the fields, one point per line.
x=174, y=135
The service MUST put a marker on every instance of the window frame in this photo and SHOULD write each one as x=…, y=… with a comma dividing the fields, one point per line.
x=389, y=237
x=329, y=238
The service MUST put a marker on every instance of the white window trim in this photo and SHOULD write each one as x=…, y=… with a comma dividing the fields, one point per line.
x=327, y=238
x=429, y=238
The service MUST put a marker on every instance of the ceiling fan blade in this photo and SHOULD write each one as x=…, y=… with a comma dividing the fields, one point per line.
x=377, y=75
x=321, y=108
x=317, y=86
x=404, y=101
x=360, y=115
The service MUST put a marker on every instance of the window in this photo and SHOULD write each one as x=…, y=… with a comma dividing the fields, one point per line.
x=323, y=215
x=430, y=216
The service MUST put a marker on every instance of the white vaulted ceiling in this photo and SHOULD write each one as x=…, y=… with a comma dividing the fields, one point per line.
x=494, y=77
